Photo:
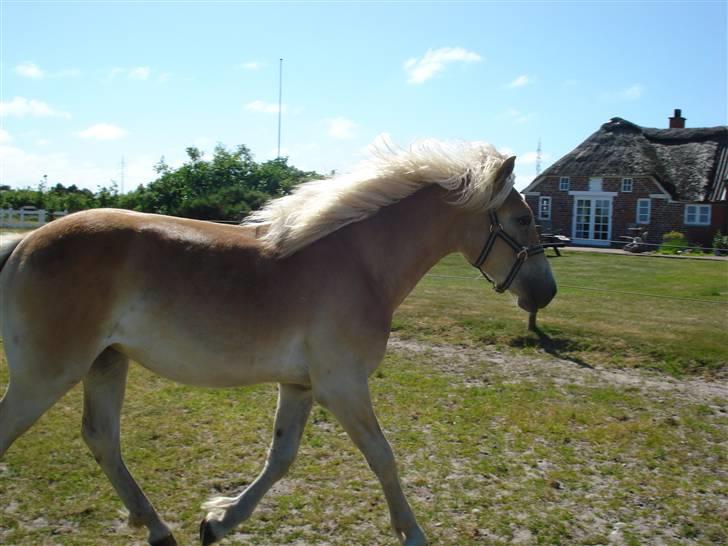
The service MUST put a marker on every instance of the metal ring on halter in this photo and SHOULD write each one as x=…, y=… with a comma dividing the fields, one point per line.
x=522, y=253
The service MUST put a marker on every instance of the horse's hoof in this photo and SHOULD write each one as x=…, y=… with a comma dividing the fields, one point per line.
x=207, y=536
x=166, y=541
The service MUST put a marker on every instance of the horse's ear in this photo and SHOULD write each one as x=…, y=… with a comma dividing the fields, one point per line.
x=505, y=170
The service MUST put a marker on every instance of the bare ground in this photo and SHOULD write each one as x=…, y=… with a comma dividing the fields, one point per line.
x=459, y=360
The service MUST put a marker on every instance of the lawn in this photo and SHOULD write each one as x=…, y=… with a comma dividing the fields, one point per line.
x=611, y=309
x=494, y=447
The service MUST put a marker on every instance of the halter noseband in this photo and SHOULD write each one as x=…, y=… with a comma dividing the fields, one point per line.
x=522, y=253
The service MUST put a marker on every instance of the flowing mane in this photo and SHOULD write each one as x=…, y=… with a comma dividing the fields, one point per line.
x=318, y=208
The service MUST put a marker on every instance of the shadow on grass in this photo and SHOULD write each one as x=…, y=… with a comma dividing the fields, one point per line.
x=559, y=347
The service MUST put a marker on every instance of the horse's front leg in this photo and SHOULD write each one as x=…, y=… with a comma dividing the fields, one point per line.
x=347, y=397
x=225, y=513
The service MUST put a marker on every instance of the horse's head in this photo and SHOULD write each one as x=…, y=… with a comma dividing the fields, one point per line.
x=505, y=246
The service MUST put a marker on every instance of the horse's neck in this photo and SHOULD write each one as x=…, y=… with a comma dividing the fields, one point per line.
x=403, y=241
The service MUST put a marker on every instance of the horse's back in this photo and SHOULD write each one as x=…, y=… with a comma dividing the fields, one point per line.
x=70, y=282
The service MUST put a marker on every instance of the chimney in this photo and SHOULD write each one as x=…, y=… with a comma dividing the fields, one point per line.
x=677, y=121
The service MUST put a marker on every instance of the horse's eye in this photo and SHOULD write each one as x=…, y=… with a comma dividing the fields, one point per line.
x=525, y=220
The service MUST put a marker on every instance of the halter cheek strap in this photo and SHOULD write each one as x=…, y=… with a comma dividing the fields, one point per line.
x=522, y=253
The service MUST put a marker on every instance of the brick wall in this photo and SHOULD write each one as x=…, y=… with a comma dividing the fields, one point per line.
x=664, y=215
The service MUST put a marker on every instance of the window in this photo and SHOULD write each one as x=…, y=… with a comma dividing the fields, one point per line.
x=643, y=211
x=564, y=183
x=595, y=184
x=697, y=215
x=544, y=208
x=627, y=184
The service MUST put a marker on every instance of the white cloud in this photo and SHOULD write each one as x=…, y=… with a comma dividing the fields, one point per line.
x=103, y=131
x=21, y=107
x=22, y=168
x=434, y=61
x=262, y=106
x=32, y=70
x=520, y=81
x=134, y=73
x=29, y=70
x=251, y=65
x=341, y=128
x=5, y=137
x=517, y=116
x=633, y=92
x=523, y=180
x=530, y=158
x=505, y=150
x=116, y=71
x=139, y=73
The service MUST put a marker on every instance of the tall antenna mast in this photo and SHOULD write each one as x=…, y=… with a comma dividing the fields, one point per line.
x=539, y=156
x=280, y=103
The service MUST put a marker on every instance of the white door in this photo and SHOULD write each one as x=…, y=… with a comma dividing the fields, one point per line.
x=592, y=221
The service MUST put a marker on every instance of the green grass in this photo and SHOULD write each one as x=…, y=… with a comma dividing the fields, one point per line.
x=594, y=327
x=489, y=462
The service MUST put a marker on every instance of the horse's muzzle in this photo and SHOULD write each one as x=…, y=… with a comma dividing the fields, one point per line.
x=538, y=299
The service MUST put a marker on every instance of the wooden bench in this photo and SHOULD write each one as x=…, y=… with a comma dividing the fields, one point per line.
x=549, y=240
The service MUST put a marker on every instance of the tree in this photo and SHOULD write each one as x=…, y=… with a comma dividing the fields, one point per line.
x=226, y=187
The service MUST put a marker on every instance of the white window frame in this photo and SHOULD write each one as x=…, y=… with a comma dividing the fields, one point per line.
x=564, y=183
x=696, y=210
x=627, y=185
x=592, y=196
x=541, y=201
x=639, y=218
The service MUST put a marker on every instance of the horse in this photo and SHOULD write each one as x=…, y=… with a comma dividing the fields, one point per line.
x=301, y=294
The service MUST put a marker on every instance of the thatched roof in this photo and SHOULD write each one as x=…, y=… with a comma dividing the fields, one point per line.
x=691, y=164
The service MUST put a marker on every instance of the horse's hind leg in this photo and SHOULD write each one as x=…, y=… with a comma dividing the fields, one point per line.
x=104, y=387
x=294, y=406
x=29, y=395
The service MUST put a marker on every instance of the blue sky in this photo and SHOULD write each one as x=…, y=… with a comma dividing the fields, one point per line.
x=86, y=83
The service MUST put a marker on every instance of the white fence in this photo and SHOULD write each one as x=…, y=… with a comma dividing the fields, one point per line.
x=27, y=217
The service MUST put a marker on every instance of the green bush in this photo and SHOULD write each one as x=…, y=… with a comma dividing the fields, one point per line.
x=673, y=242
x=720, y=244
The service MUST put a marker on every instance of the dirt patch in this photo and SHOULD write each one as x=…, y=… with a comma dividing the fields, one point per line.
x=463, y=360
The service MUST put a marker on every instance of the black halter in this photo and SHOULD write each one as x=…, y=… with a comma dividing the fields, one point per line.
x=522, y=253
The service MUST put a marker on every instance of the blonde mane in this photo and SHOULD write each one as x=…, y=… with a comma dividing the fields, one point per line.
x=318, y=208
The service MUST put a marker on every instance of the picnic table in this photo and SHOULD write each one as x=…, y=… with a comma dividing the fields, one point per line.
x=554, y=241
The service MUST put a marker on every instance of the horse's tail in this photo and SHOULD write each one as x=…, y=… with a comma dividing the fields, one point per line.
x=7, y=247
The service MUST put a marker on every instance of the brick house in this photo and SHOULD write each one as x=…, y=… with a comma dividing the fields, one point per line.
x=625, y=178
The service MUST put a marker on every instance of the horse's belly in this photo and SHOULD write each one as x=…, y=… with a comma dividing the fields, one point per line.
x=200, y=360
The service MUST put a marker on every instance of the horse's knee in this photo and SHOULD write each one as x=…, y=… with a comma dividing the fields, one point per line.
x=96, y=439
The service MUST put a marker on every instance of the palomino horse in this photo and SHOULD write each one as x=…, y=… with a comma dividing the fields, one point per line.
x=302, y=294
